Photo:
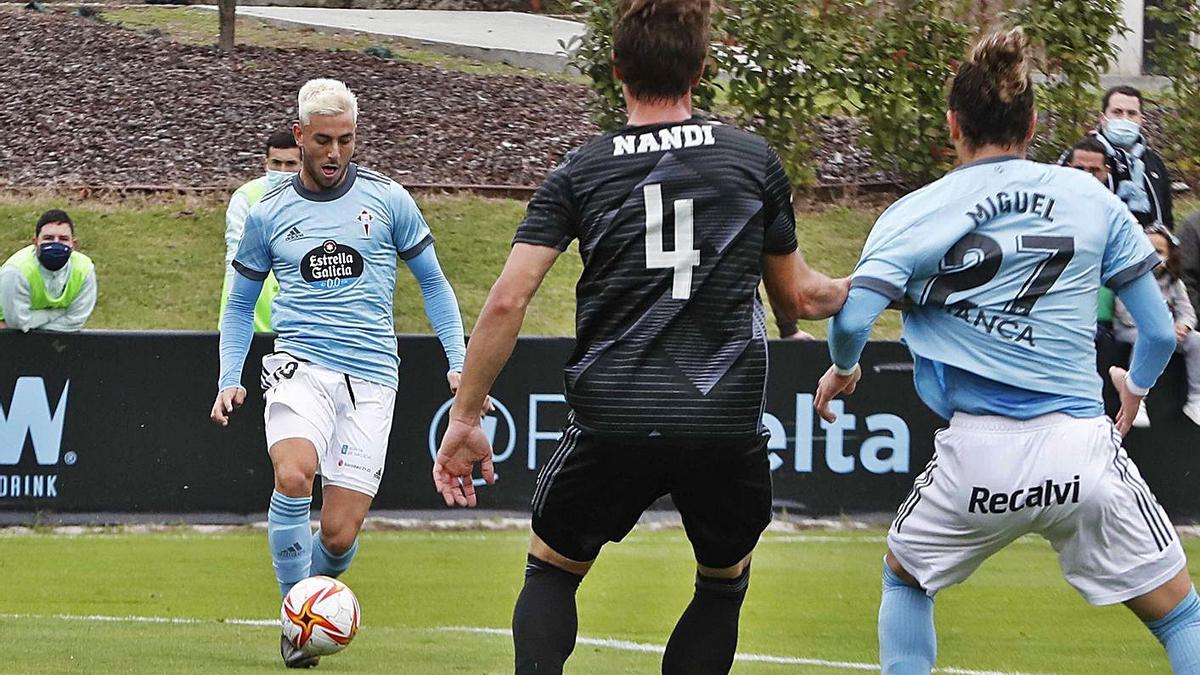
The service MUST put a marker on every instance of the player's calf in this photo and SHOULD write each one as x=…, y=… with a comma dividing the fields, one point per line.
x=331, y=559
x=907, y=640
x=290, y=538
x=705, y=639
x=342, y=516
x=289, y=533
x=1172, y=613
x=545, y=620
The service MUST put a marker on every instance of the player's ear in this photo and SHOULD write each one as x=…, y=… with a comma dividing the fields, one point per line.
x=1033, y=120
x=616, y=70
x=952, y=124
x=298, y=134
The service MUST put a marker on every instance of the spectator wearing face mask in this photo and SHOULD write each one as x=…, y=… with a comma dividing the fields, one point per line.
x=1137, y=173
x=282, y=161
x=48, y=285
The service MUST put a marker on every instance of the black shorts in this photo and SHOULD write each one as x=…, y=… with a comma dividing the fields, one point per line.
x=596, y=487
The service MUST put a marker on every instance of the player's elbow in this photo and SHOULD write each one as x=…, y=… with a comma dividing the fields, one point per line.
x=820, y=300
x=506, y=302
x=1158, y=336
x=847, y=324
x=812, y=308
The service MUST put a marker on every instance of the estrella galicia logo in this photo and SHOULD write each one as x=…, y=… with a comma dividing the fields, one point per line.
x=31, y=417
x=331, y=264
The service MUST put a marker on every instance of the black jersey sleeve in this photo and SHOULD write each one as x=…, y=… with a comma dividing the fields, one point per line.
x=778, y=216
x=551, y=217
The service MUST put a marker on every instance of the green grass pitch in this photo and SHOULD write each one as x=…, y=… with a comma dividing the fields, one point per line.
x=812, y=603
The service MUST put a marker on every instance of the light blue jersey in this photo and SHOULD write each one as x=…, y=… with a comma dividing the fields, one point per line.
x=1001, y=260
x=334, y=254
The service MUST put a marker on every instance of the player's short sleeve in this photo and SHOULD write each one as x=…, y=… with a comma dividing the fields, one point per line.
x=410, y=232
x=779, y=217
x=1128, y=253
x=253, y=257
x=551, y=217
x=903, y=244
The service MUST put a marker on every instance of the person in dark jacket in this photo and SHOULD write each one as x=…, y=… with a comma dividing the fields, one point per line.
x=1189, y=258
x=1136, y=172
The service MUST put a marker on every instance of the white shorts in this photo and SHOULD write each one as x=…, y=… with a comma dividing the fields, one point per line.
x=347, y=419
x=994, y=479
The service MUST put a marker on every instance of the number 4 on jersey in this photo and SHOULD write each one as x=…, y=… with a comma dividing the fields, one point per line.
x=684, y=257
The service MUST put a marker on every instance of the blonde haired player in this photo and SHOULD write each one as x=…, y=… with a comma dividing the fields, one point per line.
x=331, y=236
x=1001, y=261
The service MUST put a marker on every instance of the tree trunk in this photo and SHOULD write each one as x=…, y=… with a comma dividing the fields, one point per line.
x=227, y=16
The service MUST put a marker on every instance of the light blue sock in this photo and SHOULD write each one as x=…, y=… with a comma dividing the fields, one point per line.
x=290, y=537
x=1179, y=632
x=324, y=562
x=907, y=641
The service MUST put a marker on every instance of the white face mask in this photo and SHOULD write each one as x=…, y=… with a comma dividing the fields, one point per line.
x=1121, y=132
x=277, y=178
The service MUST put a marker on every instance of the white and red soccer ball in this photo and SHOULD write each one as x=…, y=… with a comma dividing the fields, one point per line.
x=320, y=616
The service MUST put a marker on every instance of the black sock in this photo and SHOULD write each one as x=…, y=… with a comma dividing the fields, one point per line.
x=705, y=639
x=544, y=620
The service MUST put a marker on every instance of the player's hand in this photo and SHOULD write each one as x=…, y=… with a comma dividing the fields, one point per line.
x=1130, y=402
x=227, y=401
x=1181, y=332
x=462, y=446
x=831, y=386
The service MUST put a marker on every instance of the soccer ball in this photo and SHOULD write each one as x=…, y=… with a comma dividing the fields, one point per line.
x=320, y=616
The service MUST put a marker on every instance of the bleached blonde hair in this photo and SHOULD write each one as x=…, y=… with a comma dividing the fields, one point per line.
x=323, y=96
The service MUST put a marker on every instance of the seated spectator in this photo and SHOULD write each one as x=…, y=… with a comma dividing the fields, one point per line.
x=1176, y=296
x=48, y=285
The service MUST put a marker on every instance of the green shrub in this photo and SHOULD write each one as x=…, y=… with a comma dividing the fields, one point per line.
x=899, y=72
x=1178, y=58
x=591, y=54
x=1074, y=41
x=783, y=58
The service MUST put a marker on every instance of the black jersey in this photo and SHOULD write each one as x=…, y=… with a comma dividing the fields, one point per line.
x=672, y=222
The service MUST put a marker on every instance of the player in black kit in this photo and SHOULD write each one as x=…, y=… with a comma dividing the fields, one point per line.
x=678, y=220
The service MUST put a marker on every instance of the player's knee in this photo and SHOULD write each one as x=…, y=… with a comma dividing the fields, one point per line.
x=731, y=572
x=338, y=541
x=294, y=480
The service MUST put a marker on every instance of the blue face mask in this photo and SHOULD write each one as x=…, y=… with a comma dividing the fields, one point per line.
x=54, y=255
x=277, y=178
x=1123, y=133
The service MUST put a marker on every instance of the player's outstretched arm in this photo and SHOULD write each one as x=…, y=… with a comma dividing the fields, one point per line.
x=800, y=292
x=849, y=331
x=1151, y=351
x=237, y=329
x=441, y=308
x=491, y=344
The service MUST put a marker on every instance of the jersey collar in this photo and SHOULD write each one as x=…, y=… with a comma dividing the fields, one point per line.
x=327, y=195
x=988, y=160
